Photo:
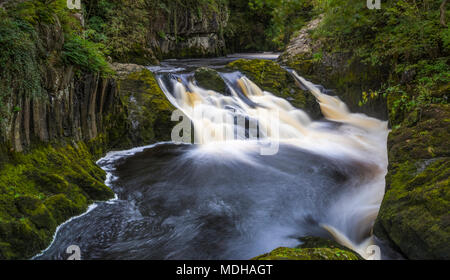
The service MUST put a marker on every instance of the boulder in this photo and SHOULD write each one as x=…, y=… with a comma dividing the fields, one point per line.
x=312, y=248
x=208, y=78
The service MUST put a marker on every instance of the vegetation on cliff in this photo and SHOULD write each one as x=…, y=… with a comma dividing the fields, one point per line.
x=61, y=107
x=146, y=31
x=401, y=51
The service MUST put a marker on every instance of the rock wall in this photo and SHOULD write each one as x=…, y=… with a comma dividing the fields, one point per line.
x=50, y=165
x=186, y=32
x=49, y=144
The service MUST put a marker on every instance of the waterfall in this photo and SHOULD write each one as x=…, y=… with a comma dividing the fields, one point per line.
x=219, y=123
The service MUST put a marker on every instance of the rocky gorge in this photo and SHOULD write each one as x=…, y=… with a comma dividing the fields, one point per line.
x=67, y=115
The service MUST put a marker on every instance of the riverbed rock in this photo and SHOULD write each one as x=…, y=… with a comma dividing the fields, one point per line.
x=312, y=248
x=146, y=110
x=208, y=78
x=271, y=77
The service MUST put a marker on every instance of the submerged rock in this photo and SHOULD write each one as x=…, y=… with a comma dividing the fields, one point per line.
x=271, y=77
x=208, y=78
x=313, y=248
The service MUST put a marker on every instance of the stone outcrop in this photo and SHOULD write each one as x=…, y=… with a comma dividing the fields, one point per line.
x=271, y=77
x=301, y=43
x=209, y=79
x=414, y=215
x=186, y=32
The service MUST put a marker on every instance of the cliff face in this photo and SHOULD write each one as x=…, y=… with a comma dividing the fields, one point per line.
x=49, y=141
x=72, y=106
x=186, y=32
x=49, y=173
x=145, y=31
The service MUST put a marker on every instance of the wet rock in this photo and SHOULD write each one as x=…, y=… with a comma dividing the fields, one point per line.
x=312, y=248
x=271, y=77
x=414, y=216
x=208, y=78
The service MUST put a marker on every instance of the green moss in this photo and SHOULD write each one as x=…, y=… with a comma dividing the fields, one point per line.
x=271, y=77
x=41, y=189
x=313, y=248
x=61, y=207
x=208, y=78
x=146, y=112
x=414, y=214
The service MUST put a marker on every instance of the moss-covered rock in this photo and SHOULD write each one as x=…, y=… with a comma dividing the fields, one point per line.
x=312, y=248
x=414, y=215
x=146, y=112
x=271, y=77
x=208, y=78
x=41, y=189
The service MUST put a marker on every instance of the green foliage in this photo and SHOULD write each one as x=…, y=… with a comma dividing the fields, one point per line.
x=85, y=54
x=271, y=77
x=288, y=16
x=39, y=11
x=20, y=52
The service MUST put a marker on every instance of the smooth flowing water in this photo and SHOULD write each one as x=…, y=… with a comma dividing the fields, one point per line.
x=241, y=190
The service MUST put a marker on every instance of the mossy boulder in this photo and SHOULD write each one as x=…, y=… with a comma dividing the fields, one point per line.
x=271, y=77
x=208, y=78
x=41, y=189
x=144, y=115
x=414, y=215
x=312, y=248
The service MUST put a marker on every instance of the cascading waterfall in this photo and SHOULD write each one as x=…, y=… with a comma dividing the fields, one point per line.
x=358, y=138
